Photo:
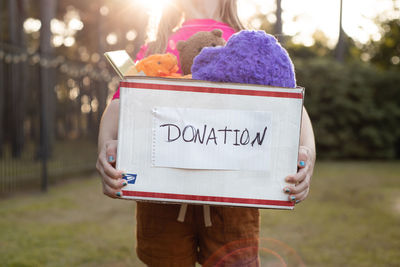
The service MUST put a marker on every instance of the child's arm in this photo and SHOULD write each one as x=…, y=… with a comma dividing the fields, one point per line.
x=107, y=151
x=307, y=155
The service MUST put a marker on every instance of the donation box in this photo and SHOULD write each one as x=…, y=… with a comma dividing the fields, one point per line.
x=190, y=141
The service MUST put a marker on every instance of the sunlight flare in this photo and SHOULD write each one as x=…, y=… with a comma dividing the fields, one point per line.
x=154, y=8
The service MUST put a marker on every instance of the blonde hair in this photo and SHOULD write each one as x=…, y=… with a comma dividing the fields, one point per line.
x=173, y=16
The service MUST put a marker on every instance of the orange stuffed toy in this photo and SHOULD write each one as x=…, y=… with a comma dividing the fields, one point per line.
x=160, y=65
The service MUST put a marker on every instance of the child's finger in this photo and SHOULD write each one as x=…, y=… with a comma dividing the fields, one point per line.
x=110, y=171
x=111, y=181
x=114, y=193
x=303, y=157
x=301, y=164
x=111, y=152
x=299, y=197
x=302, y=186
x=116, y=184
x=106, y=167
x=298, y=177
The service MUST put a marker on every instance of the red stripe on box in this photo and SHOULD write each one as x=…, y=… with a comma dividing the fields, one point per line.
x=212, y=90
x=207, y=198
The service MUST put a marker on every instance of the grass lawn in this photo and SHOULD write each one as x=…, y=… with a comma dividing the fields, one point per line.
x=18, y=174
x=351, y=218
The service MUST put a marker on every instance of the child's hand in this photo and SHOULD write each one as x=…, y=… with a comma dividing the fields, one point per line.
x=301, y=180
x=111, y=178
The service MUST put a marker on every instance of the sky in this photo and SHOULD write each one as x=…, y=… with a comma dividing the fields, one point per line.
x=301, y=18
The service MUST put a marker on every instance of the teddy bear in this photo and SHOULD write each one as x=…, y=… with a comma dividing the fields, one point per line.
x=190, y=48
x=253, y=57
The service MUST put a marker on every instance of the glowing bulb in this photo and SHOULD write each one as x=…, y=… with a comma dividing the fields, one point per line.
x=104, y=10
x=32, y=25
x=94, y=104
x=112, y=38
x=58, y=40
x=75, y=24
x=256, y=23
x=69, y=41
x=71, y=82
x=395, y=60
x=57, y=27
x=85, y=108
x=74, y=93
x=95, y=57
x=131, y=35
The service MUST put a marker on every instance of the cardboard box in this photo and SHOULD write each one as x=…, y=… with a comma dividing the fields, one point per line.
x=189, y=141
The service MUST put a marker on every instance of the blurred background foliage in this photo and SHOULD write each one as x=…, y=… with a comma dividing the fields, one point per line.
x=355, y=104
x=55, y=83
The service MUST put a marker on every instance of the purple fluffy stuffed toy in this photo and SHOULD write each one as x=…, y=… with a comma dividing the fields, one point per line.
x=248, y=57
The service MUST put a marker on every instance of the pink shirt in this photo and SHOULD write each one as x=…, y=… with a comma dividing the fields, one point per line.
x=188, y=28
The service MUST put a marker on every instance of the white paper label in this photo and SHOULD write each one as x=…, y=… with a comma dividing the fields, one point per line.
x=211, y=139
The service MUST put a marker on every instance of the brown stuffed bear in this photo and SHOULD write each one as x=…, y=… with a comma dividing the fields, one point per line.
x=190, y=48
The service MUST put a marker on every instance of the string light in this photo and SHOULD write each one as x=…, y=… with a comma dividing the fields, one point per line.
x=112, y=38
x=64, y=68
x=104, y=10
x=32, y=25
x=91, y=67
x=94, y=68
x=15, y=59
x=94, y=104
x=24, y=57
x=95, y=57
x=8, y=58
x=131, y=35
x=31, y=51
x=44, y=63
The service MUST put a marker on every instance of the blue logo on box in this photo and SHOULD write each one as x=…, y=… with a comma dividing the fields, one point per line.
x=130, y=178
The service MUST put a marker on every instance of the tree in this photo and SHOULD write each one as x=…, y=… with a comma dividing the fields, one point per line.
x=386, y=51
x=385, y=54
x=318, y=49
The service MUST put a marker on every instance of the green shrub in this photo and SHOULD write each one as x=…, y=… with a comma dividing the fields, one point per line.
x=354, y=108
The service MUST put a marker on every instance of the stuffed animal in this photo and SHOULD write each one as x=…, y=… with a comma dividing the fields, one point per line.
x=248, y=57
x=192, y=47
x=160, y=65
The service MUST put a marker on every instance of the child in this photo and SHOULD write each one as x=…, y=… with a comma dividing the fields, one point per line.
x=167, y=234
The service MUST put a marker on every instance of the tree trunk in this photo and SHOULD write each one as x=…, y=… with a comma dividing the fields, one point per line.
x=341, y=45
x=16, y=78
x=24, y=65
x=278, y=24
x=48, y=10
x=2, y=106
x=101, y=87
x=2, y=79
